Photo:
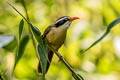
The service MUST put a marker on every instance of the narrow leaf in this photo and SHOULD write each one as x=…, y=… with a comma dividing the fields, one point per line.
x=35, y=30
x=42, y=48
x=43, y=60
x=21, y=49
x=21, y=24
x=37, y=35
x=110, y=26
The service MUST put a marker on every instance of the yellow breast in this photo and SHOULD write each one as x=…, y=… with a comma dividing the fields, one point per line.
x=56, y=37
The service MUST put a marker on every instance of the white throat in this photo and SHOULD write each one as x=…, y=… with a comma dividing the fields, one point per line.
x=66, y=25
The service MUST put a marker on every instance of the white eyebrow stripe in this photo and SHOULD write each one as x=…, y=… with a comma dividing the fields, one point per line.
x=60, y=20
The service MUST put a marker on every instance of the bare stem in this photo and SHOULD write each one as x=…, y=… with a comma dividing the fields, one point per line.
x=65, y=62
x=18, y=12
x=25, y=8
x=26, y=12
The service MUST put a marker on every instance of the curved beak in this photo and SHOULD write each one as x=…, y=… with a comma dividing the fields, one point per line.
x=73, y=18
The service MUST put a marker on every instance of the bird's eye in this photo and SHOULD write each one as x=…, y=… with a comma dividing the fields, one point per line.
x=66, y=19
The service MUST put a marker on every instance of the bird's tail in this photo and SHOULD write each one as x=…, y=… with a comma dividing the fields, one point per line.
x=50, y=56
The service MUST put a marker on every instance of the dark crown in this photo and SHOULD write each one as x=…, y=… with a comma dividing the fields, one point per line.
x=62, y=20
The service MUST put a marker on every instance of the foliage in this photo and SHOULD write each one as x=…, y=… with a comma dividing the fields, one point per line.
x=42, y=49
x=21, y=28
x=101, y=61
x=21, y=48
x=110, y=26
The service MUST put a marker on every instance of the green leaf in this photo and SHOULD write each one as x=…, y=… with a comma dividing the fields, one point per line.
x=110, y=26
x=21, y=49
x=43, y=60
x=35, y=30
x=21, y=24
x=42, y=48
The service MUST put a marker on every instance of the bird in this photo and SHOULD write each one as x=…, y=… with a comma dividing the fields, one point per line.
x=55, y=35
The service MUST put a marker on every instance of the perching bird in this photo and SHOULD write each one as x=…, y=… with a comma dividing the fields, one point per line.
x=55, y=35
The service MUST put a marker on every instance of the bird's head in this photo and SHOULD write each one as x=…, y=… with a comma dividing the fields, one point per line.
x=65, y=21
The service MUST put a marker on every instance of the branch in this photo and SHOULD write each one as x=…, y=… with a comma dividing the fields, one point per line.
x=25, y=8
x=66, y=64
x=19, y=13
x=26, y=12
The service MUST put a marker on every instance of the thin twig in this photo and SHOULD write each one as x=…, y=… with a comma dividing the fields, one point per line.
x=65, y=62
x=18, y=12
x=25, y=8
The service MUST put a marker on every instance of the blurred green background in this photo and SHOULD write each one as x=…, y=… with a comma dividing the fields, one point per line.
x=102, y=62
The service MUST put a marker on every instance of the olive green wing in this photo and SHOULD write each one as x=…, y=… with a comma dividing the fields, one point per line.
x=47, y=31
